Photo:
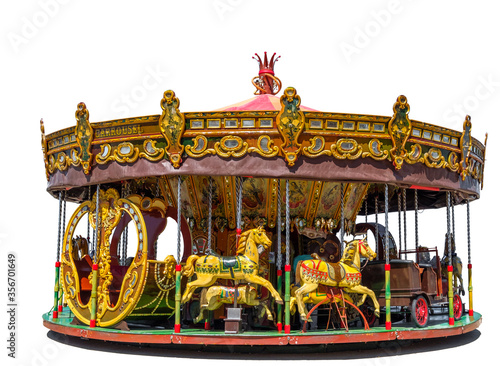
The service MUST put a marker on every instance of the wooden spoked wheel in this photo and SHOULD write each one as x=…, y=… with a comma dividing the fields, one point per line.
x=457, y=307
x=420, y=311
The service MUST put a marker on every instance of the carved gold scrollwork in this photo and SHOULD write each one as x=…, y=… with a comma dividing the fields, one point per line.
x=434, y=158
x=375, y=150
x=316, y=147
x=111, y=208
x=151, y=152
x=290, y=122
x=346, y=149
x=265, y=147
x=399, y=129
x=44, y=149
x=231, y=146
x=172, y=125
x=126, y=152
x=414, y=156
x=452, y=162
x=200, y=147
x=105, y=155
x=465, y=148
x=84, y=136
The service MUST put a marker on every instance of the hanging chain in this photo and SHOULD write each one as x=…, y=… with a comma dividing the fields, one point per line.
x=404, y=220
x=157, y=195
x=239, y=187
x=448, y=229
x=178, y=219
x=416, y=219
x=287, y=224
x=386, y=209
x=278, y=226
x=63, y=218
x=96, y=231
x=58, y=252
x=399, y=217
x=209, y=244
x=88, y=218
x=468, y=232
x=453, y=220
x=376, y=223
x=342, y=219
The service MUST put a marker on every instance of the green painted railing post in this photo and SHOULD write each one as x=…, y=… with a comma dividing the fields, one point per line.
x=56, y=291
x=177, y=326
x=287, y=298
x=93, y=296
x=280, y=307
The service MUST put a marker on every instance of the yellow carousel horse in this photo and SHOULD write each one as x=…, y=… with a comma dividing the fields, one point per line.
x=215, y=296
x=244, y=267
x=345, y=274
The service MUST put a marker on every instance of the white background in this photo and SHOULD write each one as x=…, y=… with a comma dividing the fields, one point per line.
x=344, y=56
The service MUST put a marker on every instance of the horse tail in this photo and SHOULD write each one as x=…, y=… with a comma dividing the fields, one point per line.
x=297, y=272
x=189, y=267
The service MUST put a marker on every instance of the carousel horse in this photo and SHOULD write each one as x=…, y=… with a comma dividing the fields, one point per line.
x=455, y=261
x=80, y=248
x=313, y=298
x=345, y=274
x=243, y=267
x=214, y=297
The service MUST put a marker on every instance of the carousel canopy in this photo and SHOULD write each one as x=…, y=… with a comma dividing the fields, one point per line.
x=265, y=139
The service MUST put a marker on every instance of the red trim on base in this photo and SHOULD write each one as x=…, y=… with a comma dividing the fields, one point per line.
x=424, y=188
x=207, y=325
x=280, y=327
x=177, y=328
x=471, y=312
x=92, y=323
x=59, y=308
x=451, y=321
x=287, y=329
x=388, y=325
x=178, y=267
x=281, y=339
x=55, y=315
x=288, y=268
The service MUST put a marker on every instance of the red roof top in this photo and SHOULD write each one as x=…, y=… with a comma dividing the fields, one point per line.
x=263, y=102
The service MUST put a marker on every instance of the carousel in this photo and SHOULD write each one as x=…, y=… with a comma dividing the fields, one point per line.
x=270, y=201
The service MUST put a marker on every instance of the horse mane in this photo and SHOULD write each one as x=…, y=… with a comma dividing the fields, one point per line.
x=349, y=251
x=243, y=242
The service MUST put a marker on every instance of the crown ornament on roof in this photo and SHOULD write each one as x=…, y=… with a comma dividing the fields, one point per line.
x=266, y=67
x=266, y=82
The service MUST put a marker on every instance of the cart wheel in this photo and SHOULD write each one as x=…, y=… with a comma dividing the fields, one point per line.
x=420, y=311
x=457, y=307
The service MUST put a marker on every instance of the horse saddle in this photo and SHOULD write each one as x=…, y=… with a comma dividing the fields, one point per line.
x=230, y=264
x=336, y=272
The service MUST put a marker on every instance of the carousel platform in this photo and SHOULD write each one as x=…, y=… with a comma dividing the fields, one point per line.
x=437, y=329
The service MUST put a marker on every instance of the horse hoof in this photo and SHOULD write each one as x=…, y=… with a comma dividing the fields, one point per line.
x=279, y=302
x=377, y=313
